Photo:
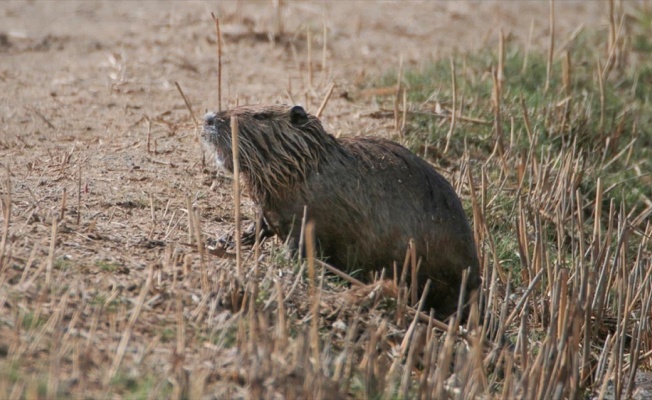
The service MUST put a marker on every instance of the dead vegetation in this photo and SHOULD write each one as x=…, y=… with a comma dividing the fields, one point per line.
x=108, y=287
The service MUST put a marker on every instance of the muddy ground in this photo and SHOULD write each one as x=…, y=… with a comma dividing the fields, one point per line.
x=89, y=83
x=90, y=113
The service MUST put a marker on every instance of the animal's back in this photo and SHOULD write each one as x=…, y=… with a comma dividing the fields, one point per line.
x=368, y=204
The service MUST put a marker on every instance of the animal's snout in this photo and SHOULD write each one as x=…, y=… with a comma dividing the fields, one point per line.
x=210, y=118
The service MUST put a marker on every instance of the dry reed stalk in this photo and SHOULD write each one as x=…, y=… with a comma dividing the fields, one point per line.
x=443, y=361
x=314, y=294
x=50, y=260
x=281, y=332
x=368, y=361
x=42, y=117
x=344, y=362
x=323, y=52
x=148, y=122
x=413, y=273
x=602, y=96
x=479, y=225
x=408, y=334
x=322, y=106
x=201, y=248
x=399, y=87
x=257, y=243
x=519, y=306
x=566, y=77
x=562, y=310
x=551, y=48
x=189, y=107
x=496, y=99
x=527, y=47
x=500, y=73
x=521, y=231
x=126, y=334
x=302, y=235
x=6, y=210
x=64, y=200
x=280, y=29
x=79, y=189
x=614, y=38
x=401, y=301
x=405, y=107
x=341, y=274
x=152, y=215
x=191, y=221
x=236, y=195
x=288, y=90
x=611, y=40
x=309, y=61
x=417, y=341
x=51, y=324
x=453, y=106
x=218, y=36
x=460, y=302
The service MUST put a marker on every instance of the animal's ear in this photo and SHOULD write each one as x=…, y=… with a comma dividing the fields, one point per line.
x=298, y=115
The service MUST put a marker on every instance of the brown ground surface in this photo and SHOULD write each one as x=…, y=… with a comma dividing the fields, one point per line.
x=82, y=83
x=80, y=80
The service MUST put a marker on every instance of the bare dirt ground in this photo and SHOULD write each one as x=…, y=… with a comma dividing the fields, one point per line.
x=89, y=113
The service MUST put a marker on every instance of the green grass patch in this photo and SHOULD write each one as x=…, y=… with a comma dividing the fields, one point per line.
x=608, y=119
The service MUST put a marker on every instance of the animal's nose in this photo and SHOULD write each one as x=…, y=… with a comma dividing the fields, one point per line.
x=209, y=118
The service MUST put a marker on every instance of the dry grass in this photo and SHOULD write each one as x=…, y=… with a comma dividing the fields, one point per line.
x=557, y=184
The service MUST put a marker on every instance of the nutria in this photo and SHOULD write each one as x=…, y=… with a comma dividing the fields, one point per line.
x=367, y=196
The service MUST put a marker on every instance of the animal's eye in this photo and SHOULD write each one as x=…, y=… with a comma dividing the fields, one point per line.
x=261, y=116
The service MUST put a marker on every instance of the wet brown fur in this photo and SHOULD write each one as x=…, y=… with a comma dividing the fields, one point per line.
x=368, y=196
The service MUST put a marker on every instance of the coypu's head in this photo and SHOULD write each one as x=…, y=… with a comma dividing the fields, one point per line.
x=278, y=146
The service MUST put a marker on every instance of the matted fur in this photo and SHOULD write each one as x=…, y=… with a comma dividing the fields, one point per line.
x=367, y=196
x=275, y=160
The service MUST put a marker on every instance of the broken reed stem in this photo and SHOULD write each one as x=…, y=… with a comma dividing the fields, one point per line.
x=280, y=29
x=314, y=293
x=257, y=243
x=149, y=134
x=566, y=73
x=322, y=106
x=309, y=44
x=602, y=98
x=126, y=334
x=236, y=194
x=280, y=328
x=192, y=114
x=152, y=216
x=408, y=334
x=404, y=116
x=399, y=87
x=79, y=185
x=551, y=49
x=219, y=62
x=64, y=200
x=341, y=274
x=7, y=215
x=191, y=222
x=50, y=262
x=500, y=77
x=525, y=296
x=453, y=106
x=527, y=47
x=498, y=126
x=323, y=53
x=413, y=273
